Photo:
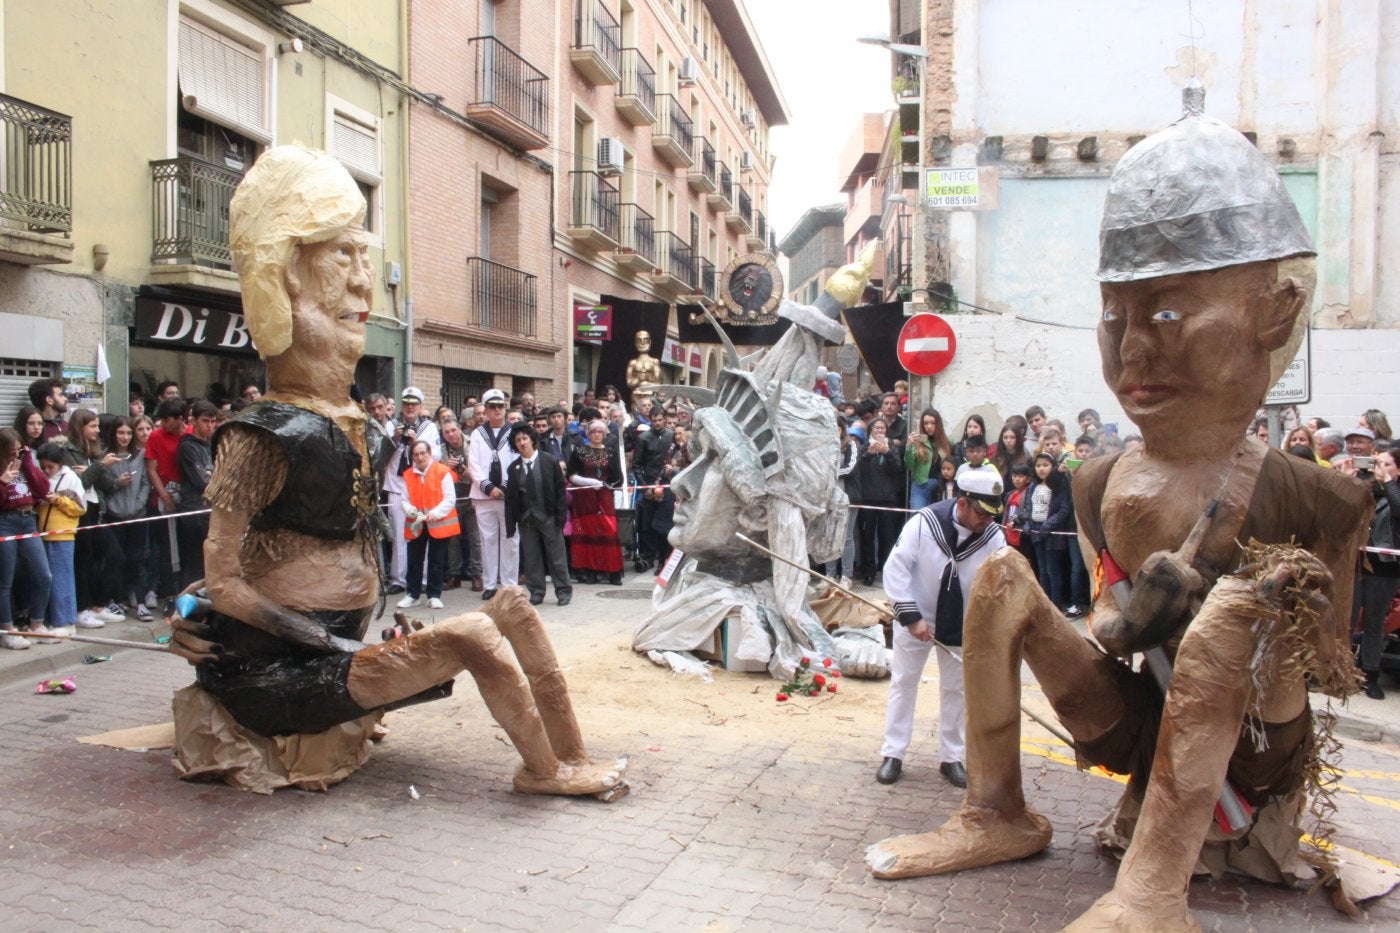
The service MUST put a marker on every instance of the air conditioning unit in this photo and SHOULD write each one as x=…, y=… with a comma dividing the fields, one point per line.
x=748, y=117
x=610, y=156
x=689, y=73
x=746, y=162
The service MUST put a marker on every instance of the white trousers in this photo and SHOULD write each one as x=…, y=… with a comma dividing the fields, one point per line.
x=500, y=555
x=910, y=657
x=398, y=566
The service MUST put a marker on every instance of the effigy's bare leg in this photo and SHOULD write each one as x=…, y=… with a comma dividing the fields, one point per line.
x=1010, y=617
x=403, y=667
x=521, y=625
x=1200, y=730
x=518, y=621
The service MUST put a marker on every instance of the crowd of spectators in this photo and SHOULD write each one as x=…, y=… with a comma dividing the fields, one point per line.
x=87, y=478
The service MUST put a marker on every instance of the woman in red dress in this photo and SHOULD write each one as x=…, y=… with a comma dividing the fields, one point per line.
x=593, y=472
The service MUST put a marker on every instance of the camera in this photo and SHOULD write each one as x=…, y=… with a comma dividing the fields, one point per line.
x=1364, y=463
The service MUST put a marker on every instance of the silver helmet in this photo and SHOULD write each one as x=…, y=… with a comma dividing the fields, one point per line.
x=1193, y=197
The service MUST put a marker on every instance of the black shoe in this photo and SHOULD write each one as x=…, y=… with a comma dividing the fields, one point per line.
x=615, y=578
x=1073, y=612
x=954, y=772
x=889, y=771
x=487, y=594
x=564, y=600
x=536, y=600
x=1373, y=685
x=394, y=590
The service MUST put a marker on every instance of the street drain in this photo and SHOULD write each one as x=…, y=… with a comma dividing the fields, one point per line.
x=624, y=594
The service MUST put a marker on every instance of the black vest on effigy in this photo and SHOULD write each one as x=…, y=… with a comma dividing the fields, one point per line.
x=319, y=495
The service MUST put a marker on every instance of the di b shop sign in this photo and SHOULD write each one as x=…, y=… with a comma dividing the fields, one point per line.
x=185, y=325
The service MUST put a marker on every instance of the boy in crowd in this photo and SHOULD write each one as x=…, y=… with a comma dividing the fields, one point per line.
x=975, y=447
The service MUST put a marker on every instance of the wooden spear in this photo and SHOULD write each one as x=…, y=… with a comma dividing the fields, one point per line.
x=91, y=640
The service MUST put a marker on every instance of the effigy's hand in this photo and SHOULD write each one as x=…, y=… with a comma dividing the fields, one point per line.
x=190, y=640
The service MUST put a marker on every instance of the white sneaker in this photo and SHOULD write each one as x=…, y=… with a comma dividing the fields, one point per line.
x=846, y=582
x=408, y=602
x=14, y=642
x=114, y=611
x=151, y=600
x=89, y=619
x=142, y=613
x=434, y=603
x=64, y=630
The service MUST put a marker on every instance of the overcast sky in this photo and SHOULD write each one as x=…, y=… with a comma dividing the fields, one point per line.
x=829, y=80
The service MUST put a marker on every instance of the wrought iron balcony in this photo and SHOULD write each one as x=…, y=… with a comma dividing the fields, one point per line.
x=501, y=299
x=189, y=219
x=675, y=264
x=706, y=279
x=899, y=254
x=509, y=95
x=637, y=247
x=740, y=216
x=673, y=137
x=593, y=210
x=37, y=193
x=757, y=238
x=597, y=48
x=702, y=174
x=722, y=198
x=636, y=92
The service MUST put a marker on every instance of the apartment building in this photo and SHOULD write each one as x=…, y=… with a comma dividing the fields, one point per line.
x=126, y=128
x=1313, y=87
x=663, y=162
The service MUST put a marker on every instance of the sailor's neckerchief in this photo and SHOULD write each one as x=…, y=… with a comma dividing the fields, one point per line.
x=949, y=611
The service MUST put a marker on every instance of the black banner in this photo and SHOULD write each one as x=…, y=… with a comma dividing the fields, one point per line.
x=875, y=330
x=188, y=321
x=693, y=328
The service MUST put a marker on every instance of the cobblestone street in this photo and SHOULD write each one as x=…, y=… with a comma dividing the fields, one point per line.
x=743, y=814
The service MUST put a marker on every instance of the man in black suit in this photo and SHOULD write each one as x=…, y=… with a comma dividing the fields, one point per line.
x=535, y=505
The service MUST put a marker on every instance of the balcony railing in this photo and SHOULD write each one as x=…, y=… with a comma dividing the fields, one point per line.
x=674, y=135
x=722, y=198
x=638, y=235
x=701, y=174
x=502, y=299
x=675, y=259
x=899, y=254
x=507, y=84
x=636, y=92
x=745, y=206
x=758, y=236
x=190, y=212
x=594, y=207
x=597, y=47
x=706, y=279
x=37, y=194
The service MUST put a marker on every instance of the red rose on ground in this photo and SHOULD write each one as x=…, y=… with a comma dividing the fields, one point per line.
x=826, y=662
x=835, y=673
x=819, y=680
x=813, y=692
x=806, y=662
x=831, y=688
x=782, y=697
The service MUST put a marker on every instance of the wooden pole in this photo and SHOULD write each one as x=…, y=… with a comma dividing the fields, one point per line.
x=885, y=613
x=91, y=640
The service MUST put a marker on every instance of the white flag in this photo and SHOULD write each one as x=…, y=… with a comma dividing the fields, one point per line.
x=103, y=373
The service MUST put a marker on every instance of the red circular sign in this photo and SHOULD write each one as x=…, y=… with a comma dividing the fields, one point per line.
x=926, y=345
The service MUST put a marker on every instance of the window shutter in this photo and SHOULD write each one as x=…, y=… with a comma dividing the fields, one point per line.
x=357, y=147
x=223, y=81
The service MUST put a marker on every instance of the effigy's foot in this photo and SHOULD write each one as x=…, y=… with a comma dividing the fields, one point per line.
x=1112, y=913
x=973, y=837
x=607, y=782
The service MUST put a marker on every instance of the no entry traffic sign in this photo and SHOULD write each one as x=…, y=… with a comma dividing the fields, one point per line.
x=926, y=345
